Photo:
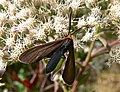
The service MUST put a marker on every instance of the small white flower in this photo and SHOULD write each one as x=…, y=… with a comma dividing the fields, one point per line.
x=60, y=24
x=27, y=40
x=20, y=3
x=24, y=26
x=12, y=9
x=78, y=45
x=13, y=19
x=47, y=25
x=3, y=18
x=65, y=31
x=40, y=34
x=9, y=41
x=60, y=20
x=1, y=31
x=89, y=3
x=16, y=51
x=14, y=30
x=115, y=54
x=4, y=3
x=74, y=4
x=1, y=84
x=81, y=22
x=1, y=53
x=59, y=27
x=22, y=14
x=90, y=35
x=91, y=20
x=3, y=66
x=25, y=13
x=29, y=23
x=33, y=32
x=115, y=10
x=96, y=11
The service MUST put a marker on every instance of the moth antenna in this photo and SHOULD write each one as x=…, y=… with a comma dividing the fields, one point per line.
x=70, y=16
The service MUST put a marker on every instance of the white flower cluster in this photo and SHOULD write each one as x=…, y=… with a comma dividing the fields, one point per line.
x=90, y=35
x=2, y=64
x=115, y=10
x=22, y=22
x=92, y=19
x=115, y=54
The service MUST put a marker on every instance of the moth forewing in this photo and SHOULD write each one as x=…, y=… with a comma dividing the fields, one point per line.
x=37, y=53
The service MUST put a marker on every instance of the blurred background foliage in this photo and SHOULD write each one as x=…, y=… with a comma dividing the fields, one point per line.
x=98, y=78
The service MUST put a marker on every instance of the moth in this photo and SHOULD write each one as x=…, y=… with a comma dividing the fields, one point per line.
x=56, y=50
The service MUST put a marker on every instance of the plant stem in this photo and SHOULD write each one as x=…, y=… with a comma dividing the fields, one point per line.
x=81, y=70
x=86, y=62
x=104, y=48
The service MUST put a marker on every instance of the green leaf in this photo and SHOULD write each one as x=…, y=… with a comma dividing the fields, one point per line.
x=21, y=87
x=59, y=65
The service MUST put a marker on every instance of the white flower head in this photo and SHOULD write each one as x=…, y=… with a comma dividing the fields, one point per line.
x=90, y=35
x=25, y=13
x=13, y=19
x=12, y=9
x=78, y=45
x=4, y=3
x=89, y=3
x=20, y=3
x=9, y=41
x=115, y=10
x=92, y=20
x=3, y=66
x=3, y=18
x=60, y=20
x=60, y=24
x=14, y=30
x=40, y=34
x=74, y=4
x=1, y=31
x=1, y=53
x=24, y=26
x=115, y=54
x=47, y=25
x=33, y=32
x=59, y=27
x=27, y=40
x=29, y=22
x=16, y=51
x=81, y=22
x=96, y=11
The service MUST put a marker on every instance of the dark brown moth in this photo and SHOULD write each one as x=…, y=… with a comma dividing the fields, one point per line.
x=56, y=49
